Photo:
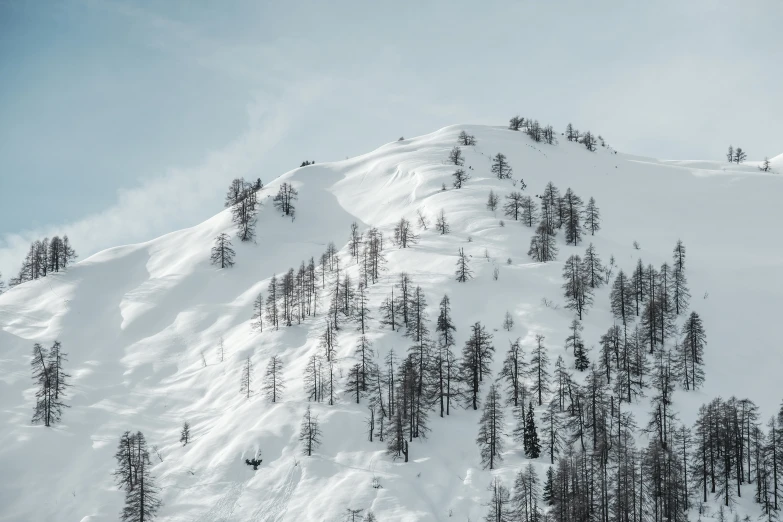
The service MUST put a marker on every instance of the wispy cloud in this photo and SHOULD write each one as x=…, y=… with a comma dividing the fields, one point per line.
x=178, y=197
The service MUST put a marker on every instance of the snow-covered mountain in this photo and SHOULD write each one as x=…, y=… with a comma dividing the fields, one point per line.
x=136, y=321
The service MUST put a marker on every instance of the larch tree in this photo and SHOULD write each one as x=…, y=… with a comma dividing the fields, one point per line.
x=477, y=356
x=491, y=430
x=222, y=253
x=257, y=320
x=739, y=155
x=529, y=212
x=542, y=245
x=441, y=225
x=466, y=139
x=514, y=374
x=51, y=383
x=463, y=271
x=243, y=213
x=456, y=157
x=365, y=356
x=309, y=433
x=492, y=201
x=404, y=235
x=143, y=500
x=552, y=432
x=274, y=381
x=285, y=198
x=500, y=167
x=680, y=293
x=592, y=267
x=577, y=290
x=730, y=154
x=500, y=506
x=621, y=299
x=460, y=178
x=184, y=434
x=508, y=321
x=445, y=364
x=513, y=207
x=572, y=220
x=592, y=217
x=539, y=369
x=694, y=340
x=246, y=378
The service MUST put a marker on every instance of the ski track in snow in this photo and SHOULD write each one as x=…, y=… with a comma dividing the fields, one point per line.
x=275, y=507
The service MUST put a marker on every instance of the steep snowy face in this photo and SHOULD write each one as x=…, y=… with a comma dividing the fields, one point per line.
x=156, y=335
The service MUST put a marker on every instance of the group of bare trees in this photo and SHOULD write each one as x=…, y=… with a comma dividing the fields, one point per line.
x=45, y=257
x=536, y=131
x=566, y=212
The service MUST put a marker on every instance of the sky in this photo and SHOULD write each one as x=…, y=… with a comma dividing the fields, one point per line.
x=121, y=121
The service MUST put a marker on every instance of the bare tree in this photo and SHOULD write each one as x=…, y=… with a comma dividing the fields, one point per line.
x=455, y=157
x=309, y=433
x=440, y=224
x=274, y=382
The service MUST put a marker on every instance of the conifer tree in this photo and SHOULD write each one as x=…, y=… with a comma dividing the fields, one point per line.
x=222, y=253
x=466, y=139
x=539, y=371
x=514, y=372
x=309, y=433
x=592, y=267
x=730, y=154
x=621, y=298
x=404, y=235
x=513, y=206
x=578, y=293
x=592, y=217
x=529, y=212
x=246, y=378
x=542, y=245
x=274, y=381
x=500, y=167
x=572, y=217
x=445, y=363
x=143, y=500
x=531, y=444
x=184, y=435
x=476, y=358
x=500, y=507
x=456, y=157
x=508, y=321
x=680, y=293
x=257, y=321
x=549, y=485
x=692, y=352
x=284, y=199
x=441, y=225
x=491, y=430
x=552, y=432
x=492, y=201
x=460, y=178
x=463, y=271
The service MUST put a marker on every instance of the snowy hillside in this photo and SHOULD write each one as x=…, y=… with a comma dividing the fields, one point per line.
x=135, y=321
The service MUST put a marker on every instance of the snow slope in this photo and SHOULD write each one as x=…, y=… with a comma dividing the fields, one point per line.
x=135, y=320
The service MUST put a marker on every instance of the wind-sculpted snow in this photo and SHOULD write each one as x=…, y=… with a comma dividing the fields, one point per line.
x=136, y=319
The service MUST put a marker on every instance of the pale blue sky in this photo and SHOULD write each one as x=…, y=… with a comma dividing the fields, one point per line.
x=120, y=121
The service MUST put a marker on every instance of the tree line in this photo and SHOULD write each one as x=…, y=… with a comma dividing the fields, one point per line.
x=43, y=258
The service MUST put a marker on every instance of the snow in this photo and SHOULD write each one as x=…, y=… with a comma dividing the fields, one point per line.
x=135, y=320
